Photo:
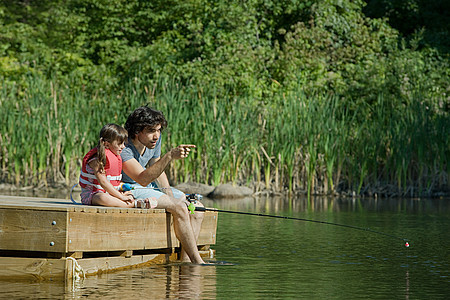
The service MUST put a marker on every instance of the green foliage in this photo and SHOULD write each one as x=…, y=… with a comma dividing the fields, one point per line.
x=245, y=48
x=297, y=142
x=282, y=87
x=427, y=20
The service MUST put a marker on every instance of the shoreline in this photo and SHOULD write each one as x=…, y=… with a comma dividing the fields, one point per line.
x=236, y=191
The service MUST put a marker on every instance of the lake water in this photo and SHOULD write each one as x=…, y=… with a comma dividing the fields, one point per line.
x=269, y=258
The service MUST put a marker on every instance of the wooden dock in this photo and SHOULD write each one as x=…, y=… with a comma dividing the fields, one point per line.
x=52, y=239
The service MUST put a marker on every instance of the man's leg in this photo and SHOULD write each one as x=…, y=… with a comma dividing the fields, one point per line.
x=182, y=226
x=186, y=232
x=196, y=222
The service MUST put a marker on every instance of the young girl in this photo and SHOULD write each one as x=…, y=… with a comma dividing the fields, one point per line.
x=101, y=171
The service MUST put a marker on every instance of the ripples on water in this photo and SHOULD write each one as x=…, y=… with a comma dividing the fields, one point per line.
x=156, y=282
x=286, y=259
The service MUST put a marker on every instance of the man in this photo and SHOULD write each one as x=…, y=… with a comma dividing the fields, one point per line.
x=143, y=166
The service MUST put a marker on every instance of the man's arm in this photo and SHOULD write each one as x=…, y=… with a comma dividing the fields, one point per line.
x=144, y=177
x=156, y=166
x=163, y=183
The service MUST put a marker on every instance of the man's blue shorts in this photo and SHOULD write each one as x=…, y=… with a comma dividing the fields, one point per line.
x=152, y=190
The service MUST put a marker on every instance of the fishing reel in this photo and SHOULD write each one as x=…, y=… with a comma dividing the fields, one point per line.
x=125, y=187
x=194, y=197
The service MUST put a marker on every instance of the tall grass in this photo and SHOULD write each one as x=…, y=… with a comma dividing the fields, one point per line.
x=314, y=144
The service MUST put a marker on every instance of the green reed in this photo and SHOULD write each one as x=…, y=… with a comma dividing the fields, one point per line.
x=312, y=143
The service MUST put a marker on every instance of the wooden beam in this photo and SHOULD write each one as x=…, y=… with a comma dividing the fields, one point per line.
x=76, y=255
x=93, y=266
x=32, y=268
x=32, y=230
x=118, y=231
x=207, y=234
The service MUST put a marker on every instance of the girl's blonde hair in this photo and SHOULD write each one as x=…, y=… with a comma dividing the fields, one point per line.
x=109, y=133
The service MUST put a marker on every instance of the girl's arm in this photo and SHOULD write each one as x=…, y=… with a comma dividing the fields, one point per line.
x=105, y=184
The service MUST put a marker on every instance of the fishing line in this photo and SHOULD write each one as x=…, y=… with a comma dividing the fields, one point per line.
x=71, y=192
x=305, y=220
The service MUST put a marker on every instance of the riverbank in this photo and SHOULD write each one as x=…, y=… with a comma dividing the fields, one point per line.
x=236, y=191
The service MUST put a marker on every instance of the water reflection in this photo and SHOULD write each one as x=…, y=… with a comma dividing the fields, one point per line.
x=62, y=193
x=314, y=261
x=327, y=204
x=180, y=281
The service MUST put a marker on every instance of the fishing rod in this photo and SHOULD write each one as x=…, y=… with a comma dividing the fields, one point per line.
x=199, y=208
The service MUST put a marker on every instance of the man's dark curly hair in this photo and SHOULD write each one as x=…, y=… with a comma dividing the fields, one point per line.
x=142, y=117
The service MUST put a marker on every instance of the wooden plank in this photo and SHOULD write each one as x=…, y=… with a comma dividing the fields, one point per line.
x=31, y=230
x=207, y=234
x=208, y=254
x=127, y=253
x=32, y=268
x=33, y=203
x=53, y=204
x=77, y=254
x=93, y=266
x=58, y=269
x=118, y=231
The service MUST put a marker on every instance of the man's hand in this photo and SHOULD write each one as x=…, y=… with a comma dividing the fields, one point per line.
x=181, y=151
